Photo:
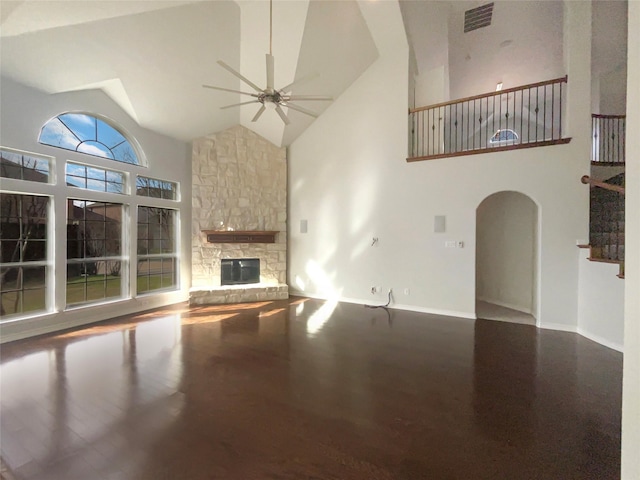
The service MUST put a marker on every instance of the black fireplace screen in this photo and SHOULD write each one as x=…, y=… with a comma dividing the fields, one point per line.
x=237, y=271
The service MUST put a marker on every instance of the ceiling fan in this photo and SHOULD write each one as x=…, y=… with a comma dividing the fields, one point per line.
x=271, y=97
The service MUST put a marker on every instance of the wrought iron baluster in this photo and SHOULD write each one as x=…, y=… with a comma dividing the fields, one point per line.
x=553, y=103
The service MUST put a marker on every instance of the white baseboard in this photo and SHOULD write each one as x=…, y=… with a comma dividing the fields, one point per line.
x=518, y=308
x=560, y=327
x=601, y=340
x=397, y=306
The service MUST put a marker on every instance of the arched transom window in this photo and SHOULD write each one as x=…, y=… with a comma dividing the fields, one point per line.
x=84, y=133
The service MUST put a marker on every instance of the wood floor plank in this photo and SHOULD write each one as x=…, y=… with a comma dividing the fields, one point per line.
x=303, y=389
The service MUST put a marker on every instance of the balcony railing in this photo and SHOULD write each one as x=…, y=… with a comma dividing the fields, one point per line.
x=607, y=147
x=520, y=117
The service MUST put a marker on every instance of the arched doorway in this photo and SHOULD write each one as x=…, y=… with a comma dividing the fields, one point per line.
x=507, y=258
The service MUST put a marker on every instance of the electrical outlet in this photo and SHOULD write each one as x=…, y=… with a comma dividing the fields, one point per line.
x=450, y=244
x=460, y=244
x=373, y=290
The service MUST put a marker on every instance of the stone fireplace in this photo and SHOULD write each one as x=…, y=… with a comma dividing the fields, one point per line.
x=239, y=195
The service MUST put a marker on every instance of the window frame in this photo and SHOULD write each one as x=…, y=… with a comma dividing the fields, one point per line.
x=130, y=139
x=122, y=258
x=59, y=194
x=174, y=255
x=46, y=262
x=38, y=156
x=506, y=141
x=125, y=177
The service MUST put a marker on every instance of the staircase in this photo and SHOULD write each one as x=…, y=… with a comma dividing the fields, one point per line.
x=606, y=223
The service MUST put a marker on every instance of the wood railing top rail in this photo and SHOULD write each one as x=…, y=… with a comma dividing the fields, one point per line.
x=597, y=183
x=597, y=115
x=491, y=94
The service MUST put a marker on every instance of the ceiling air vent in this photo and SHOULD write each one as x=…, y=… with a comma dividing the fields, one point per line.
x=478, y=17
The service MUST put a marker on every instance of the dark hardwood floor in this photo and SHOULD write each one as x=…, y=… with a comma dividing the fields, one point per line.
x=303, y=389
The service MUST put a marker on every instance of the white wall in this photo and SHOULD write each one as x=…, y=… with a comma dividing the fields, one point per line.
x=609, y=56
x=432, y=86
x=522, y=45
x=349, y=179
x=631, y=376
x=24, y=111
x=600, y=302
x=505, y=251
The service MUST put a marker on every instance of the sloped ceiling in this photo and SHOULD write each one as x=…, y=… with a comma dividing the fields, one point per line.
x=152, y=57
x=523, y=44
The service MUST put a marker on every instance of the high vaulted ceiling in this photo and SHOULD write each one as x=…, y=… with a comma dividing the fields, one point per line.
x=152, y=57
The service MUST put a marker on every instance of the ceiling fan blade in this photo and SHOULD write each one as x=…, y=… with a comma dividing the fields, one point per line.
x=238, y=104
x=283, y=116
x=301, y=110
x=308, y=98
x=270, y=72
x=257, y=115
x=240, y=76
x=229, y=90
x=288, y=88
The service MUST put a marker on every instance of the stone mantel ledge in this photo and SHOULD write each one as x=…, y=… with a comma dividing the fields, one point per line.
x=216, y=295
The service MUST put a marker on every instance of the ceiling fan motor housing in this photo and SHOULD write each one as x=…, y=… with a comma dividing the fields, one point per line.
x=274, y=97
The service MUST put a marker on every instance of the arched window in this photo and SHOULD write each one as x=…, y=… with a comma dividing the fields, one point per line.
x=80, y=132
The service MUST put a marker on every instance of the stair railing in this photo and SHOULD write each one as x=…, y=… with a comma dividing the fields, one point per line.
x=597, y=183
x=607, y=146
x=606, y=220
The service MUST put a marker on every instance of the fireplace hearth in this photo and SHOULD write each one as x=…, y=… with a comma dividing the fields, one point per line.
x=239, y=271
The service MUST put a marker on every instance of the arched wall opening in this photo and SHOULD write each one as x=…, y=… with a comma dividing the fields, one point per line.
x=507, y=251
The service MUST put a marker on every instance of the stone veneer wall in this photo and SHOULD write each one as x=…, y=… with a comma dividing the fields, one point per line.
x=239, y=183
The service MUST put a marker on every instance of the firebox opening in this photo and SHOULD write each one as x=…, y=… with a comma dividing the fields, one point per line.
x=237, y=271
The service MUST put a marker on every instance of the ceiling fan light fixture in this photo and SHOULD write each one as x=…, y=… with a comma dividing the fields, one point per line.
x=271, y=98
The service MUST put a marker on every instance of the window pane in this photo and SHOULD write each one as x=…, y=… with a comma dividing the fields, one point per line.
x=23, y=227
x=112, y=288
x=95, y=148
x=23, y=167
x=9, y=250
x=34, y=250
x=143, y=284
x=109, y=136
x=95, y=290
x=95, y=248
x=23, y=289
x=83, y=126
x=167, y=246
x=93, y=178
x=156, y=239
x=23, y=240
x=74, y=181
x=95, y=233
x=169, y=190
x=88, y=134
x=96, y=173
x=168, y=272
x=125, y=153
x=151, y=187
x=56, y=134
x=112, y=247
x=75, y=293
